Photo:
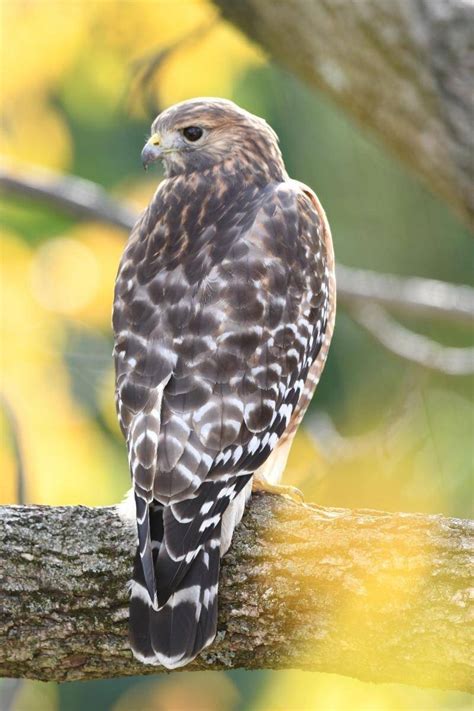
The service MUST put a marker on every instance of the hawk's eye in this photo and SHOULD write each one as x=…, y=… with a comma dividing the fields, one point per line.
x=192, y=133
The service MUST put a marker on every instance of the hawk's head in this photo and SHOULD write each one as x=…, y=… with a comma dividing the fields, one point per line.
x=200, y=133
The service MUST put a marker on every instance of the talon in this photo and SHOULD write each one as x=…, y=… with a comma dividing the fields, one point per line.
x=290, y=492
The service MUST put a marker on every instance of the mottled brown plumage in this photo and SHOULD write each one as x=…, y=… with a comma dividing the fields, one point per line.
x=223, y=314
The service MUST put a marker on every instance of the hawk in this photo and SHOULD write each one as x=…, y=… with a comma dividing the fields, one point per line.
x=223, y=314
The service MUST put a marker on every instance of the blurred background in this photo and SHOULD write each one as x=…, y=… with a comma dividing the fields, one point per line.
x=78, y=97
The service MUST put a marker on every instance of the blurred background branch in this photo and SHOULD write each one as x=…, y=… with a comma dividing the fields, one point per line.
x=423, y=297
x=81, y=198
x=402, y=69
x=286, y=581
x=144, y=70
x=412, y=346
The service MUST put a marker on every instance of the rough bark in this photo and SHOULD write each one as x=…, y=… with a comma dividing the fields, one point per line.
x=401, y=68
x=379, y=596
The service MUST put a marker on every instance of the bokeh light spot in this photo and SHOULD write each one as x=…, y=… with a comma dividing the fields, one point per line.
x=64, y=275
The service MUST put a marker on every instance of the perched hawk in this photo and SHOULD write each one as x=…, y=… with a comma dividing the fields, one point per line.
x=223, y=314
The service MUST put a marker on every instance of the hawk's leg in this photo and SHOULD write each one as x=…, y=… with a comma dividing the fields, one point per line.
x=268, y=476
x=291, y=492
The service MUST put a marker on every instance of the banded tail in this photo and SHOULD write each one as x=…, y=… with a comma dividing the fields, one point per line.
x=176, y=619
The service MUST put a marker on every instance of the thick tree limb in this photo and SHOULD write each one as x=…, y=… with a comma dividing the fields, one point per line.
x=378, y=596
x=401, y=68
x=412, y=295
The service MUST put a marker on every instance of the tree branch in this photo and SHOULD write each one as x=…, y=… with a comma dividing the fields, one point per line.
x=413, y=295
x=402, y=70
x=81, y=198
x=416, y=296
x=145, y=69
x=412, y=346
x=378, y=596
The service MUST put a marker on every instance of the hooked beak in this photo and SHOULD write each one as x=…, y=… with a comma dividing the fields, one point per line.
x=151, y=151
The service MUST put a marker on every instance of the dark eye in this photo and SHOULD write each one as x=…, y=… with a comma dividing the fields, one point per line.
x=192, y=133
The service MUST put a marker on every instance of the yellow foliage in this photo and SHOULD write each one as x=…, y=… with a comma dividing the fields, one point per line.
x=8, y=465
x=305, y=462
x=34, y=132
x=75, y=274
x=141, y=27
x=106, y=246
x=66, y=458
x=40, y=41
x=96, y=86
x=43, y=53
x=305, y=691
x=65, y=275
x=198, y=68
x=34, y=696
